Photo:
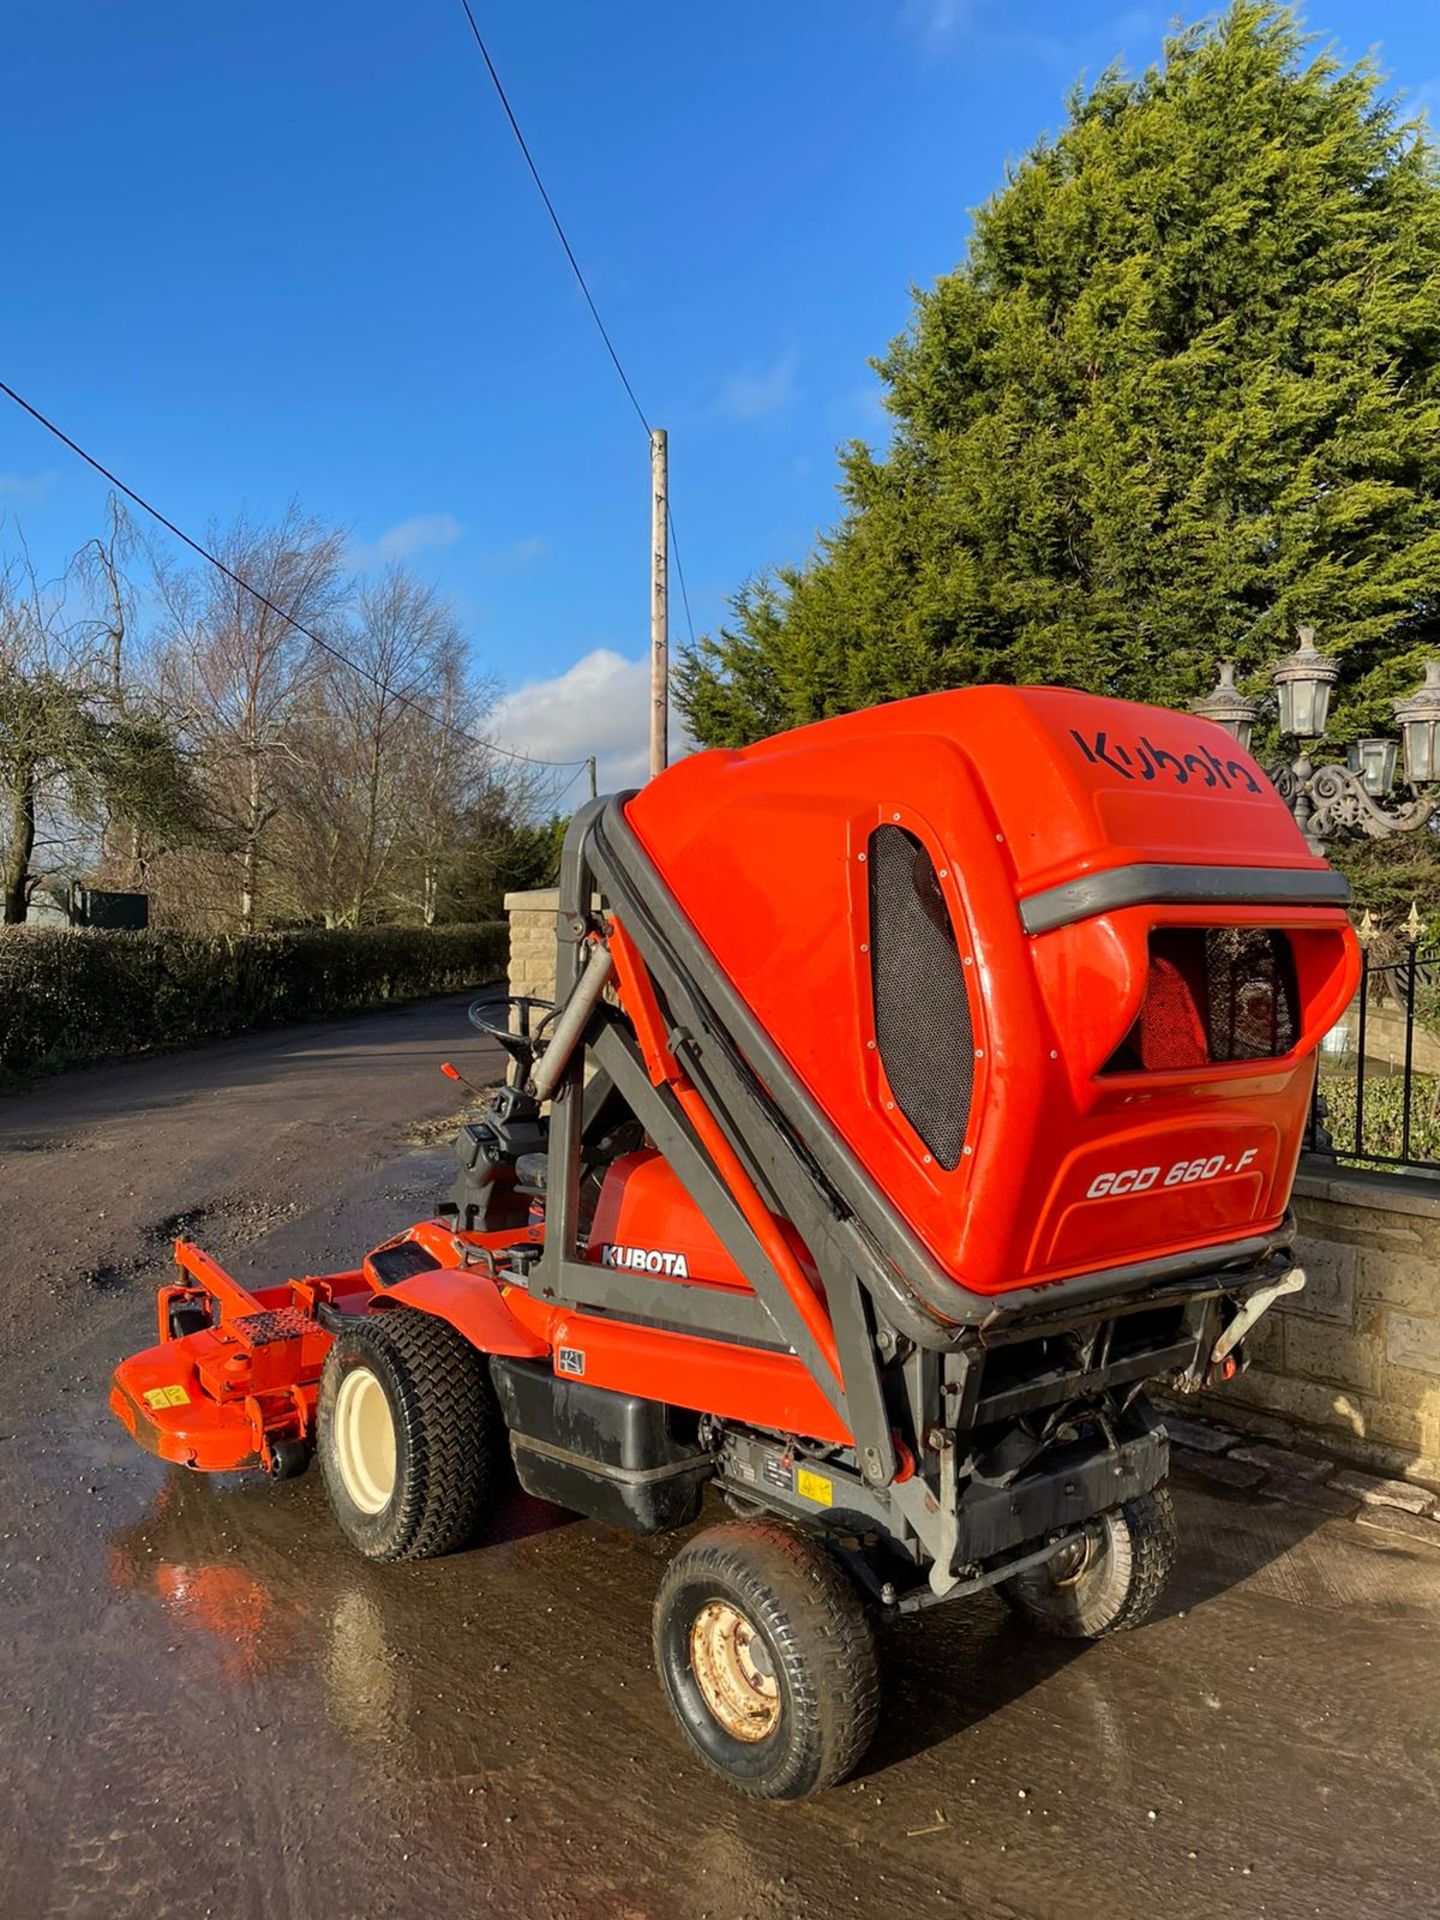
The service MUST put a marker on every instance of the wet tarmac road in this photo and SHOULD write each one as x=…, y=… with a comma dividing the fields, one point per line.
x=209, y=1705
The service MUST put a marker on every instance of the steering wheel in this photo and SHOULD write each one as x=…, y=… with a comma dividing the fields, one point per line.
x=523, y=1045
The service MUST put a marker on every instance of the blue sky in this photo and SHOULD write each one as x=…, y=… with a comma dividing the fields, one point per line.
x=292, y=250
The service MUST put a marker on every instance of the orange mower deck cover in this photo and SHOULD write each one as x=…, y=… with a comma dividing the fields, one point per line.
x=949, y=915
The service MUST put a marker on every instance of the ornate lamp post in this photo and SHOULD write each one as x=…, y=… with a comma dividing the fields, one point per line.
x=1228, y=707
x=1332, y=799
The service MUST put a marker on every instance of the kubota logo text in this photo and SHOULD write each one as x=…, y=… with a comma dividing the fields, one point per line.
x=646, y=1260
x=1143, y=760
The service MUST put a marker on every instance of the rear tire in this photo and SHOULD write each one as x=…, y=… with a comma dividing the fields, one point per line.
x=767, y=1659
x=409, y=1439
x=1112, y=1580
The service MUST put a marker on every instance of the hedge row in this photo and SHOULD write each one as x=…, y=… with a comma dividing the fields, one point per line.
x=67, y=997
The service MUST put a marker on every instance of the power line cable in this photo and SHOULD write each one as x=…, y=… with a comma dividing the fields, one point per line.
x=554, y=217
x=326, y=646
x=680, y=572
x=557, y=798
x=555, y=222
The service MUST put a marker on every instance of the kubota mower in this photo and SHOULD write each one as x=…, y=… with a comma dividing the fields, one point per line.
x=920, y=1086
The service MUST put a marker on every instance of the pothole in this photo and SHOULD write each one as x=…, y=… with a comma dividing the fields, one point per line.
x=240, y=1221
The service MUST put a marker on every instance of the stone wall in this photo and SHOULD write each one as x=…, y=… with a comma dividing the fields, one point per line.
x=1353, y=1362
x=532, y=941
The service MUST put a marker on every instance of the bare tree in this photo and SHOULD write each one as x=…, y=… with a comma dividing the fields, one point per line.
x=40, y=713
x=449, y=775
x=102, y=567
x=383, y=806
x=77, y=745
x=344, y=779
x=405, y=643
x=238, y=672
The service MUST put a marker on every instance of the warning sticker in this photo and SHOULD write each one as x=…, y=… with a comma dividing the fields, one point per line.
x=814, y=1486
x=167, y=1397
x=778, y=1472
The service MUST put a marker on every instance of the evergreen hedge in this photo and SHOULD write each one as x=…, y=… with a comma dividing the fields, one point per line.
x=72, y=996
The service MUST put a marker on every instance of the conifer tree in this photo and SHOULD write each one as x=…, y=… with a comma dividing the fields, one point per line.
x=1181, y=394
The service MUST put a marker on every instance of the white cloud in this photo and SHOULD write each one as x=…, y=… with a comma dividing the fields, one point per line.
x=752, y=392
x=428, y=532
x=1088, y=34
x=935, y=20
x=27, y=490
x=420, y=534
x=409, y=537
x=521, y=553
x=601, y=705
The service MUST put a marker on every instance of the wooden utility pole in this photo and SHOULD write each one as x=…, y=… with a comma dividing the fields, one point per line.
x=659, y=601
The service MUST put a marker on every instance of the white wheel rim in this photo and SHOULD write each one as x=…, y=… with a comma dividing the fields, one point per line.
x=364, y=1437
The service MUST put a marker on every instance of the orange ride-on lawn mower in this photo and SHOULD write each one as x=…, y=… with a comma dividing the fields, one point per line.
x=920, y=1085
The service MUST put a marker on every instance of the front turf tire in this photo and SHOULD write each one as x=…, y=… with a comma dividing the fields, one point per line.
x=410, y=1444
x=1114, y=1580
x=767, y=1659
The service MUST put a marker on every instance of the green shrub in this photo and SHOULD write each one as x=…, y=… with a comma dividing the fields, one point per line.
x=1383, y=1131
x=67, y=997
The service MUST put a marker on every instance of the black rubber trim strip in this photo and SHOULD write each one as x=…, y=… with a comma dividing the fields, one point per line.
x=335, y=1319
x=621, y=1476
x=1168, y=886
x=1197, y=1270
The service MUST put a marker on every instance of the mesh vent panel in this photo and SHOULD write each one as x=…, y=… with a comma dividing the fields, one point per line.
x=1250, y=972
x=922, y=1010
x=1215, y=994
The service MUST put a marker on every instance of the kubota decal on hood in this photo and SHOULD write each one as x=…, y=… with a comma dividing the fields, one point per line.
x=646, y=1260
x=1148, y=761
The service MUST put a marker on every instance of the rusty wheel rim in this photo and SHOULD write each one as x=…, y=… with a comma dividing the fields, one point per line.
x=734, y=1672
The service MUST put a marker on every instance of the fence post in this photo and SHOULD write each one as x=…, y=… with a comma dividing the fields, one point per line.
x=1360, y=1050
x=1408, y=1093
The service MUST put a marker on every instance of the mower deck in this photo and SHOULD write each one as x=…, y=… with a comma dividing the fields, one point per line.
x=229, y=1394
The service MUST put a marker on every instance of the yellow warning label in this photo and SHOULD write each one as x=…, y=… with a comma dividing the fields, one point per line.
x=167, y=1397
x=814, y=1486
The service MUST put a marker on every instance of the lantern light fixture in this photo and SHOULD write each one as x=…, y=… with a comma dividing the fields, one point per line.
x=1330, y=799
x=1303, y=684
x=1228, y=707
x=1419, y=722
x=1372, y=760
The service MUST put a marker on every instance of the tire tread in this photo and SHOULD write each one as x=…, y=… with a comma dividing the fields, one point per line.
x=806, y=1603
x=1153, y=1546
x=447, y=1414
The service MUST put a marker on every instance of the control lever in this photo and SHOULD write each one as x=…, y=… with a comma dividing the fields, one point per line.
x=453, y=1073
